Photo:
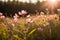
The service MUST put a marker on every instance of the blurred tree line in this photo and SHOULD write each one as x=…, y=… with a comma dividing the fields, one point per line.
x=10, y=8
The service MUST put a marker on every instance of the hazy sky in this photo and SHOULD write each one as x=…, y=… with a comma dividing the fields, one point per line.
x=32, y=1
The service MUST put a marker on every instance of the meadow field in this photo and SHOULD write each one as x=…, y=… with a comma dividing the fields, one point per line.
x=31, y=27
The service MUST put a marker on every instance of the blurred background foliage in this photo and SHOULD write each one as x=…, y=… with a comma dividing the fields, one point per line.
x=10, y=8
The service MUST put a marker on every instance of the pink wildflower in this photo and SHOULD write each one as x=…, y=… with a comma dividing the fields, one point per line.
x=42, y=13
x=47, y=24
x=15, y=19
x=23, y=12
x=16, y=15
x=28, y=20
x=13, y=24
x=19, y=13
x=1, y=14
x=40, y=29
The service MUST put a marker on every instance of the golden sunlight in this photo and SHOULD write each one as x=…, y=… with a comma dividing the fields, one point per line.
x=33, y=1
x=25, y=1
x=52, y=1
x=6, y=0
x=41, y=0
x=3, y=0
x=19, y=0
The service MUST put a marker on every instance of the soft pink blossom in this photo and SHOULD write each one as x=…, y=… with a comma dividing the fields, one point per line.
x=46, y=24
x=13, y=24
x=40, y=29
x=28, y=20
x=16, y=15
x=42, y=13
x=19, y=13
x=28, y=16
x=31, y=21
x=15, y=19
x=23, y=12
x=1, y=14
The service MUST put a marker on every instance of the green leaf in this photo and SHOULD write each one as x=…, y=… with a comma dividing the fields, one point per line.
x=16, y=36
x=32, y=32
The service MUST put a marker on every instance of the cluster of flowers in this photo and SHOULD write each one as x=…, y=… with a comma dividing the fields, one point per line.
x=46, y=24
x=14, y=27
x=42, y=16
x=1, y=15
x=48, y=17
x=23, y=12
x=15, y=17
x=28, y=19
